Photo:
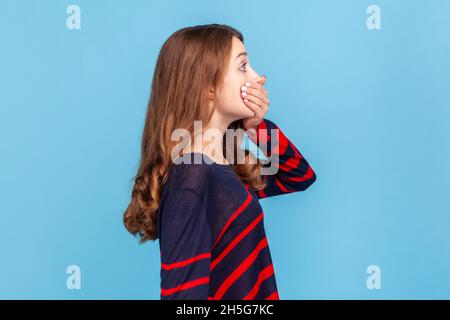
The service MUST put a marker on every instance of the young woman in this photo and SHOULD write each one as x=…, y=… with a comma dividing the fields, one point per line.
x=206, y=214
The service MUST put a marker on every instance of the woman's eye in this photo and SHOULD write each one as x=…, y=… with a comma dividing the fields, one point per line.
x=243, y=66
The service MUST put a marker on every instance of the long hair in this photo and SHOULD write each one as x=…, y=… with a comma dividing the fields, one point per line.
x=191, y=60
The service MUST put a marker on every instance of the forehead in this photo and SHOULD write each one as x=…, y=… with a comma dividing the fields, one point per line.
x=237, y=47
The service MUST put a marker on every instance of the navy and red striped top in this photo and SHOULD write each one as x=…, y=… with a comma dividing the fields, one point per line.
x=212, y=239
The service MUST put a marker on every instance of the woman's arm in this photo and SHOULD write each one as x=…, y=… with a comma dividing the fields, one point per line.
x=185, y=247
x=294, y=172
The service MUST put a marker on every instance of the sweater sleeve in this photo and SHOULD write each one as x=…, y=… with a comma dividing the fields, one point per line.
x=293, y=171
x=185, y=247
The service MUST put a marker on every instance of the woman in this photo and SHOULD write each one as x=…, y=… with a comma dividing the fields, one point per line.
x=206, y=214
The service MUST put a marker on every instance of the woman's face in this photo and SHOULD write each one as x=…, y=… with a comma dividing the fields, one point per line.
x=229, y=100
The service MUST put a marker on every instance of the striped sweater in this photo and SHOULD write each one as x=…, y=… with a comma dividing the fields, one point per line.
x=212, y=239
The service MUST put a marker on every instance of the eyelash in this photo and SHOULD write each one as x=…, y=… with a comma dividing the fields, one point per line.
x=243, y=65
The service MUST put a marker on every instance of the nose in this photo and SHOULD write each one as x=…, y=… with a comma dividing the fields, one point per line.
x=254, y=77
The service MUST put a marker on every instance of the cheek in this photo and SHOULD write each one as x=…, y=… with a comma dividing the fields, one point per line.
x=232, y=93
x=230, y=100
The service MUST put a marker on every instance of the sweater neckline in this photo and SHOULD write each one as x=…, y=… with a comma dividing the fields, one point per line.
x=207, y=160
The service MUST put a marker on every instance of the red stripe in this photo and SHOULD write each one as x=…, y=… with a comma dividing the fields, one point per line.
x=263, y=275
x=273, y=296
x=264, y=134
x=293, y=162
x=233, y=217
x=236, y=240
x=240, y=269
x=283, y=142
x=261, y=193
x=283, y=188
x=308, y=175
x=186, y=262
x=184, y=286
x=290, y=164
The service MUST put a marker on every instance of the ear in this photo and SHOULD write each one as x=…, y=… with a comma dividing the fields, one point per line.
x=211, y=93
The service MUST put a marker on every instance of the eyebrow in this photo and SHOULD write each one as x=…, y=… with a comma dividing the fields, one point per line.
x=241, y=54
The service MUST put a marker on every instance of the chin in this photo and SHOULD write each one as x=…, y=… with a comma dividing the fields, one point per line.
x=242, y=113
x=243, y=116
x=246, y=112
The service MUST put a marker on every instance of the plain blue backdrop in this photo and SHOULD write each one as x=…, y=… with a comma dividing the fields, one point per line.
x=369, y=109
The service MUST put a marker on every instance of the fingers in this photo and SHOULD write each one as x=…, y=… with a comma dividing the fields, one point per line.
x=261, y=94
x=257, y=96
x=253, y=84
x=258, y=111
x=262, y=80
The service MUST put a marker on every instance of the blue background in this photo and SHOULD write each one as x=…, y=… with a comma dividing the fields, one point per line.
x=369, y=109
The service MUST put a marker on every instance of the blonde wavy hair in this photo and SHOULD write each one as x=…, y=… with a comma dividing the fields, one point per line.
x=191, y=60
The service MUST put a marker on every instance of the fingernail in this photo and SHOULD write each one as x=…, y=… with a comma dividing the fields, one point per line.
x=247, y=84
x=244, y=88
x=244, y=93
